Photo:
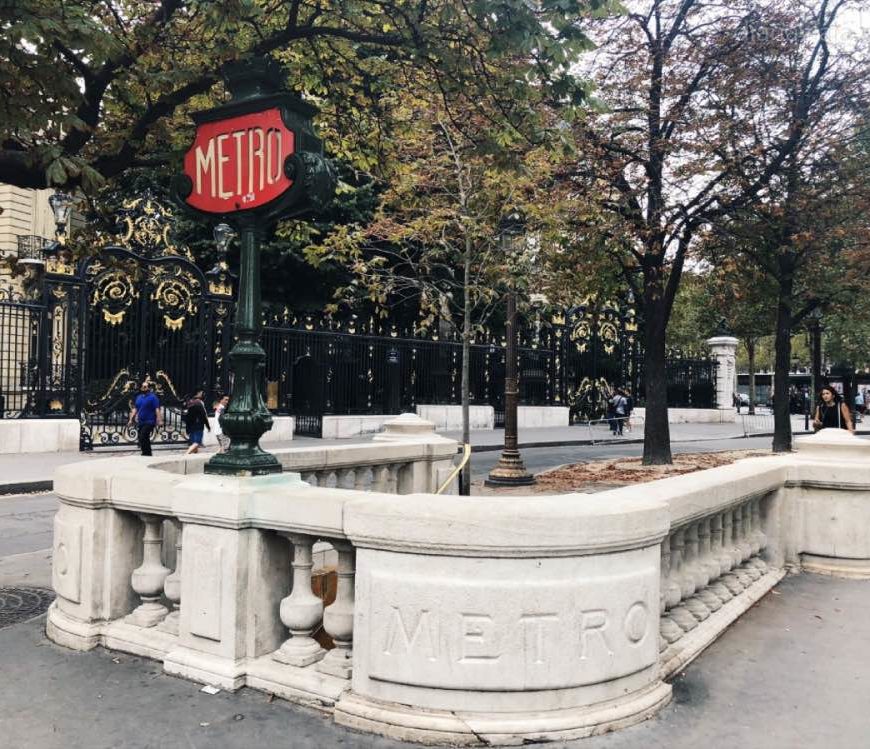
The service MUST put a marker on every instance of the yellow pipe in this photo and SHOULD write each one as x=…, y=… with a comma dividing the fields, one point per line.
x=466, y=454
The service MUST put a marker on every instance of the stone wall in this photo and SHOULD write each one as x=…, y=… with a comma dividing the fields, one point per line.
x=501, y=620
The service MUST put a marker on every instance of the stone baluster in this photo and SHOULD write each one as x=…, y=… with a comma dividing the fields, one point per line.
x=310, y=477
x=693, y=550
x=748, y=567
x=338, y=617
x=672, y=592
x=344, y=478
x=707, y=560
x=360, y=478
x=147, y=579
x=380, y=478
x=693, y=569
x=720, y=559
x=679, y=613
x=742, y=550
x=393, y=478
x=301, y=611
x=731, y=580
x=669, y=630
x=723, y=523
x=685, y=578
x=745, y=530
x=172, y=587
x=759, y=540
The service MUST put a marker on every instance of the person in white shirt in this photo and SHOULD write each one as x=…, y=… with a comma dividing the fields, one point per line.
x=223, y=440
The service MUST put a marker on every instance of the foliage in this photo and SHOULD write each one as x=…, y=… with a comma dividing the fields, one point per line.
x=91, y=89
x=707, y=109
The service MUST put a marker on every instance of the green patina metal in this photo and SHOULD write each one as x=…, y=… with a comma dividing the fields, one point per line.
x=255, y=87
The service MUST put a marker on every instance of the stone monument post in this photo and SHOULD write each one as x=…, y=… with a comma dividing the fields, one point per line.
x=724, y=348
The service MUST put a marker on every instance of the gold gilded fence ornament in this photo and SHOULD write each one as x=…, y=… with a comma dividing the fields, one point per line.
x=145, y=226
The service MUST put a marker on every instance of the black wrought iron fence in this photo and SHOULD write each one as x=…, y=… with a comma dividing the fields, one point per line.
x=79, y=343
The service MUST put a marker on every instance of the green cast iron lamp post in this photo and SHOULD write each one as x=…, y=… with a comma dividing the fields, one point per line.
x=254, y=161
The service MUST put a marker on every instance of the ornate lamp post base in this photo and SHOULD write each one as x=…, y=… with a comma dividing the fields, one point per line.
x=510, y=471
x=252, y=463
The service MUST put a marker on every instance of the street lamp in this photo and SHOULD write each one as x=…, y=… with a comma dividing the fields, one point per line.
x=220, y=278
x=816, y=376
x=56, y=259
x=278, y=171
x=61, y=205
x=510, y=469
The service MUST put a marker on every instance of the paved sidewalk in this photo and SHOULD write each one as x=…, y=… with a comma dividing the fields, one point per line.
x=33, y=471
x=794, y=671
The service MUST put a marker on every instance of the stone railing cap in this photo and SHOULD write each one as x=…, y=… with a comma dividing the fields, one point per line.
x=558, y=525
x=833, y=444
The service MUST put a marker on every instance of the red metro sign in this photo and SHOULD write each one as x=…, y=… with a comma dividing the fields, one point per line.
x=237, y=164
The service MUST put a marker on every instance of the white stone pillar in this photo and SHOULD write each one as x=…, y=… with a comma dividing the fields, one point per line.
x=301, y=611
x=724, y=349
x=147, y=579
x=172, y=587
x=338, y=617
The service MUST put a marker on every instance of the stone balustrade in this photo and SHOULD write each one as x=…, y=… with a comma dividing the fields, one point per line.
x=453, y=620
x=710, y=567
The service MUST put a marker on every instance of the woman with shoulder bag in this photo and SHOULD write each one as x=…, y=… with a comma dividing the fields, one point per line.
x=832, y=412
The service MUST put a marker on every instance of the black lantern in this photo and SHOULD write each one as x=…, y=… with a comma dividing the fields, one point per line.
x=220, y=278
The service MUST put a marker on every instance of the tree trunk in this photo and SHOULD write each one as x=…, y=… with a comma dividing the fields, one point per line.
x=465, y=476
x=656, y=435
x=782, y=363
x=750, y=350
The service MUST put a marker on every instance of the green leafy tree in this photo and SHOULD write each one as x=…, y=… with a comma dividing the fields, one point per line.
x=91, y=89
x=434, y=242
x=706, y=110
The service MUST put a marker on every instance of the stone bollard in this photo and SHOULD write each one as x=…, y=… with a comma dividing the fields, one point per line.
x=420, y=476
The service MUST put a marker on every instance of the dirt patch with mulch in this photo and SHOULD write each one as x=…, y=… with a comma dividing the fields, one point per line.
x=609, y=474
x=601, y=475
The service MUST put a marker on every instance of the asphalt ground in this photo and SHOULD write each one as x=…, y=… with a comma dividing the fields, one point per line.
x=792, y=673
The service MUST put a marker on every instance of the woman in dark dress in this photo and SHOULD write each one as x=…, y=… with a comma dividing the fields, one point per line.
x=832, y=413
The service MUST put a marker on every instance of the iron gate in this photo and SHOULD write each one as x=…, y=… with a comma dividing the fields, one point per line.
x=81, y=336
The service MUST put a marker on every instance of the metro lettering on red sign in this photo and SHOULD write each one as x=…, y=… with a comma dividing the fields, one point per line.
x=238, y=164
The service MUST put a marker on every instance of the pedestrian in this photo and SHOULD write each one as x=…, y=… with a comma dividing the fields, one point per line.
x=832, y=413
x=736, y=402
x=223, y=440
x=147, y=415
x=860, y=404
x=629, y=407
x=195, y=422
x=618, y=404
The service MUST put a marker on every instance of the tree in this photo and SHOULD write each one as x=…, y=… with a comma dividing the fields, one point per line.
x=812, y=222
x=434, y=239
x=91, y=89
x=684, y=83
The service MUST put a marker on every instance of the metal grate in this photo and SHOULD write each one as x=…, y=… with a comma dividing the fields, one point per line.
x=31, y=248
x=308, y=425
x=20, y=604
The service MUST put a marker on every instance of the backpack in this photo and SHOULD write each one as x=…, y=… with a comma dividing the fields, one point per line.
x=188, y=417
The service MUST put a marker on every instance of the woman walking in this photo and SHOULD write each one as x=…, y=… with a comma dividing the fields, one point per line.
x=832, y=413
x=195, y=421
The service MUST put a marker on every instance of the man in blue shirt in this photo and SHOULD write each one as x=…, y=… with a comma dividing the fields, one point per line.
x=146, y=413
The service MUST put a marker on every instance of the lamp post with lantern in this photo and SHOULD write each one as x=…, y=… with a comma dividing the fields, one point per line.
x=816, y=374
x=253, y=161
x=510, y=469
